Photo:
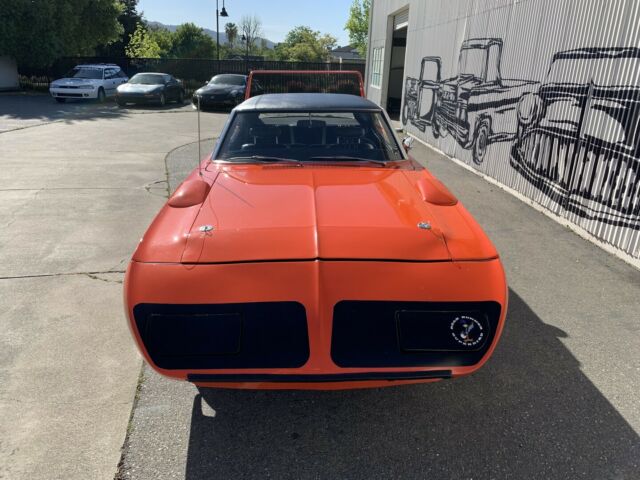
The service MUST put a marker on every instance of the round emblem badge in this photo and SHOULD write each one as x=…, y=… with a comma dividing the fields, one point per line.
x=467, y=331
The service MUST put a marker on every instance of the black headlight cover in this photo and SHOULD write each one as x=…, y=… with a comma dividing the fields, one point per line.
x=231, y=335
x=403, y=334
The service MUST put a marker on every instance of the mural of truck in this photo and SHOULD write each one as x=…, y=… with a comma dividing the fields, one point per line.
x=578, y=138
x=477, y=106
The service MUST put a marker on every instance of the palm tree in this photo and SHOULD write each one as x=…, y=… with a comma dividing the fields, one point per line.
x=231, y=30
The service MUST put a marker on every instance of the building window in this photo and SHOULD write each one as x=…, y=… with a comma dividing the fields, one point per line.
x=376, y=67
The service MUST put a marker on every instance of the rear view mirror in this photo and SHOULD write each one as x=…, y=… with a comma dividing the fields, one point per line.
x=407, y=143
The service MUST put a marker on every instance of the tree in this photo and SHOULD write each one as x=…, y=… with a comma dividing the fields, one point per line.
x=191, y=41
x=129, y=19
x=251, y=28
x=231, y=29
x=142, y=44
x=358, y=25
x=302, y=44
x=162, y=37
x=37, y=32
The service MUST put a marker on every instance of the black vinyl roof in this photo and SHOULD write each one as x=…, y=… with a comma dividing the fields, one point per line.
x=307, y=102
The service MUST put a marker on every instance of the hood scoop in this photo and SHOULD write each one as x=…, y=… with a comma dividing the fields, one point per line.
x=190, y=193
x=433, y=191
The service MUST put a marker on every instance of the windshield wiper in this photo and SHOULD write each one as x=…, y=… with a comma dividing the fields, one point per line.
x=344, y=158
x=263, y=159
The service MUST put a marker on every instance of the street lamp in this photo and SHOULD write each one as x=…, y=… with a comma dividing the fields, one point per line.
x=246, y=40
x=221, y=13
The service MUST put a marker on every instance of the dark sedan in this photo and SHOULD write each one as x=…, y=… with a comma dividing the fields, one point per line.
x=221, y=90
x=157, y=88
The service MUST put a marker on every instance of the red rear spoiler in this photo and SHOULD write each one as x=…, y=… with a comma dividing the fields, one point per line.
x=304, y=81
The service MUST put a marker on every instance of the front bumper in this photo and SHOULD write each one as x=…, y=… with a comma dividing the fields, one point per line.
x=214, y=101
x=280, y=325
x=72, y=92
x=459, y=129
x=138, y=98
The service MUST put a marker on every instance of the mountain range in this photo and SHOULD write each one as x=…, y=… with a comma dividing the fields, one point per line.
x=211, y=33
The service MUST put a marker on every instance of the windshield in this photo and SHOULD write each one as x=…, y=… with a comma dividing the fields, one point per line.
x=472, y=62
x=147, y=79
x=309, y=136
x=228, y=80
x=85, y=72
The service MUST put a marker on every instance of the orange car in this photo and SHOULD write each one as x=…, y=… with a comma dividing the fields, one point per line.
x=309, y=251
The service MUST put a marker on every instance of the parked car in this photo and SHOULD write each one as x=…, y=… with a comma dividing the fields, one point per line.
x=158, y=88
x=221, y=90
x=477, y=106
x=309, y=250
x=578, y=141
x=96, y=81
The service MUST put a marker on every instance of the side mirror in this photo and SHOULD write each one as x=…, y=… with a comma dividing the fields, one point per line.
x=407, y=143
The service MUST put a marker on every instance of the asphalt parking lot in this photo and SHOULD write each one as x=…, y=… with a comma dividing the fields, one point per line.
x=559, y=398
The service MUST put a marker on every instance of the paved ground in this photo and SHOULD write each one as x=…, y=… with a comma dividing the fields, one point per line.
x=75, y=196
x=24, y=110
x=559, y=399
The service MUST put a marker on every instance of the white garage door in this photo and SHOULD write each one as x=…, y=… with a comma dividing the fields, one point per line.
x=401, y=20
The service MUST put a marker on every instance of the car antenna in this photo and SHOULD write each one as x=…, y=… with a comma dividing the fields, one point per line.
x=199, y=152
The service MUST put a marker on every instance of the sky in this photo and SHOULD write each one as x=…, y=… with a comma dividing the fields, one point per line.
x=277, y=16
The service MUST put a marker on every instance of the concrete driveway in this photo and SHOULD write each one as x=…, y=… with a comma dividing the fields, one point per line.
x=27, y=109
x=559, y=399
x=77, y=190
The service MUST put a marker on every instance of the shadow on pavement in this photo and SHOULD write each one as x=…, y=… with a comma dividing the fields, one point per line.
x=22, y=110
x=529, y=413
x=151, y=107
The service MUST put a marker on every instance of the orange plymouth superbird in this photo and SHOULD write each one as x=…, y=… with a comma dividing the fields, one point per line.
x=311, y=251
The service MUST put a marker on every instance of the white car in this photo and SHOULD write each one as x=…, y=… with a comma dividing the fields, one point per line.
x=88, y=81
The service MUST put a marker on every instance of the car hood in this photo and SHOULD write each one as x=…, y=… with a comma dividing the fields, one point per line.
x=275, y=213
x=208, y=89
x=76, y=81
x=138, y=88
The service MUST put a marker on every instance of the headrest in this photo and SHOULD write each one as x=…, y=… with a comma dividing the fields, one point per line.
x=355, y=132
x=311, y=123
x=265, y=131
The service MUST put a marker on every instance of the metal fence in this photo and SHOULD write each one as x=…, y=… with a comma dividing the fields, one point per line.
x=192, y=71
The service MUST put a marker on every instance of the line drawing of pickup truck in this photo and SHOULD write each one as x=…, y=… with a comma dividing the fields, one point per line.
x=477, y=106
x=578, y=140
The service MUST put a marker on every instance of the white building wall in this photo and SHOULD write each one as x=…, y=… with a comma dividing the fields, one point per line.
x=580, y=156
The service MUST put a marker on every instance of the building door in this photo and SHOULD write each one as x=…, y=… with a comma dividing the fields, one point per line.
x=396, y=64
